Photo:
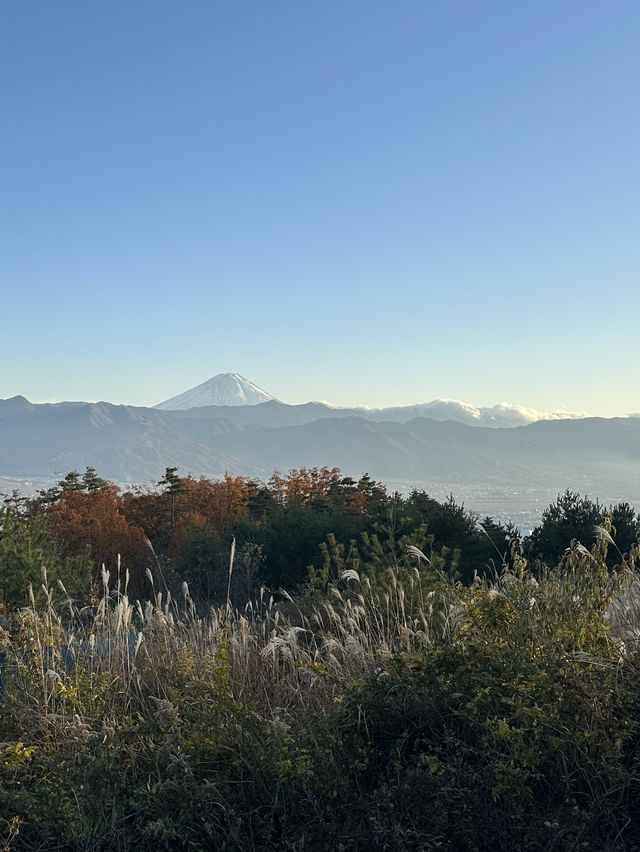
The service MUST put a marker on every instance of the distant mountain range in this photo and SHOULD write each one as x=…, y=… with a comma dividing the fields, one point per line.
x=400, y=446
x=232, y=389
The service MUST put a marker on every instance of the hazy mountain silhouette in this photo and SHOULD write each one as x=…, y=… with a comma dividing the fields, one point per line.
x=130, y=444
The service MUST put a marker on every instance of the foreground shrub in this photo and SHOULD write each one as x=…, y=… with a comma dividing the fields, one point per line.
x=409, y=714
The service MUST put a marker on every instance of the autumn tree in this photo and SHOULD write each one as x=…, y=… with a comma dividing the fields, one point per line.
x=218, y=503
x=303, y=485
x=94, y=522
x=188, y=524
x=199, y=546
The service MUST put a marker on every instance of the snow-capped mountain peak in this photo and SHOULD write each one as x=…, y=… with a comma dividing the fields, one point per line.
x=223, y=389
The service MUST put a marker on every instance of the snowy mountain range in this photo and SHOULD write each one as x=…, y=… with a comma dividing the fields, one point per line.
x=232, y=389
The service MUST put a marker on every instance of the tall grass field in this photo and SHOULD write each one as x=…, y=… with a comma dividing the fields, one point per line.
x=395, y=711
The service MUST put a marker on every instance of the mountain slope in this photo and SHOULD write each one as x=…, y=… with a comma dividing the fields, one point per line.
x=124, y=443
x=223, y=389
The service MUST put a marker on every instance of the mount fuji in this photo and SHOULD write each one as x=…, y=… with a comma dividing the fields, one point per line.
x=223, y=389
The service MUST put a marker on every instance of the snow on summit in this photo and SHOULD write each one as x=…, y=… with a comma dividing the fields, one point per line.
x=223, y=389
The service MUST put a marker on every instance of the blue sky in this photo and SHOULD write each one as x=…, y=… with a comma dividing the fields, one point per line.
x=359, y=201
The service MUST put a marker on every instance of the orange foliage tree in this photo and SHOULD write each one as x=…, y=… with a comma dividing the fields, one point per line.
x=96, y=521
x=324, y=488
x=198, y=502
x=303, y=485
x=207, y=504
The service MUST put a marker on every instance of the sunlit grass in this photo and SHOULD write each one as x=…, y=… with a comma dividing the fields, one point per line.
x=516, y=676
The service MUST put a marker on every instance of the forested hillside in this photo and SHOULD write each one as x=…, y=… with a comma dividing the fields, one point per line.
x=301, y=528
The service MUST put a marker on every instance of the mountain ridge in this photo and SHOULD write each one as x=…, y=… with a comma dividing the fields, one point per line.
x=432, y=445
x=508, y=472
x=232, y=389
x=50, y=438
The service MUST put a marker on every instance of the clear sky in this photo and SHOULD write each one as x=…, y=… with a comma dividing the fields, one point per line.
x=358, y=201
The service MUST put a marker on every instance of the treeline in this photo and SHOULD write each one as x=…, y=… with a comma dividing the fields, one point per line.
x=307, y=527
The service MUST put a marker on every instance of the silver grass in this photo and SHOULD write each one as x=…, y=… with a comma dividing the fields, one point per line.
x=601, y=532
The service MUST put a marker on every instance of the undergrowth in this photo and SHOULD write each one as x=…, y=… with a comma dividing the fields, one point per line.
x=403, y=711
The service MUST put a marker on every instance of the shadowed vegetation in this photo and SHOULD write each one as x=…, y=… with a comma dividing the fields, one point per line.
x=378, y=702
